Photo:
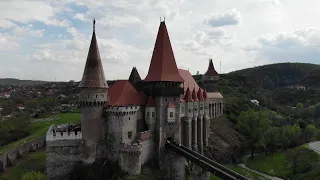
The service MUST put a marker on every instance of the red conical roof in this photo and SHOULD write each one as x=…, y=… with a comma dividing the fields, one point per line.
x=150, y=102
x=194, y=95
x=211, y=71
x=93, y=75
x=163, y=66
x=171, y=105
x=200, y=95
x=205, y=94
x=188, y=96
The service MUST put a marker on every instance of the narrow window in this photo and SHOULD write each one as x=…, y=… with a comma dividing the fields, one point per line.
x=129, y=118
x=189, y=110
x=171, y=114
x=130, y=135
x=148, y=114
x=152, y=115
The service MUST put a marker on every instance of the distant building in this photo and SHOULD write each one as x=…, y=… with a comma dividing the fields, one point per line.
x=301, y=88
x=255, y=102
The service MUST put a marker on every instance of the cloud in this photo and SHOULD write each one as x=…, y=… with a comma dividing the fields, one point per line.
x=27, y=30
x=301, y=45
x=205, y=39
x=228, y=18
x=8, y=42
x=273, y=3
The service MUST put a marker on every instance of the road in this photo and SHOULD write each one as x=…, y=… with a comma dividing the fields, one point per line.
x=315, y=146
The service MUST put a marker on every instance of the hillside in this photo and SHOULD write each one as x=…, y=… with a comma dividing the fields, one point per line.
x=274, y=75
x=312, y=79
x=12, y=81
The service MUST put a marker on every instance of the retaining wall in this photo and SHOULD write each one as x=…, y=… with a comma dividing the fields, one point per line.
x=61, y=156
x=7, y=159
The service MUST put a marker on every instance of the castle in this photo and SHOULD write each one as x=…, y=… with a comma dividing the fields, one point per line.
x=129, y=121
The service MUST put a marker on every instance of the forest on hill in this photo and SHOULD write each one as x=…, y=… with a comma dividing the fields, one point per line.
x=15, y=82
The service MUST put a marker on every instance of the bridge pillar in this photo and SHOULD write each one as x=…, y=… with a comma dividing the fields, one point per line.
x=187, y=132
x=197, y=173
x=199, y=134
x=194, y=134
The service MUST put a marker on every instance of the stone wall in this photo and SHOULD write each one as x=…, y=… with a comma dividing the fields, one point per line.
x=61, y=156
x=8, y=158
x=133, y=156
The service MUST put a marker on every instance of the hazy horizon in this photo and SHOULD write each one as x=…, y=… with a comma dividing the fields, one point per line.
x=52, y=42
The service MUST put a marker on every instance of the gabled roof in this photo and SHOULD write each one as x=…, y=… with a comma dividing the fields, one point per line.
x=134, y=76
x=122, y=93
x=93, y=75
x=211, y=71
x=151, y=102
x=205, y=96
x=188, y=80
x=171, y=105
x=194, y=95
x=163, y=65
x=188, y=96
x=200, y=95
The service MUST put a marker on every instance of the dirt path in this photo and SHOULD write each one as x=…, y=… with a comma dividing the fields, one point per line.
x=260, y=173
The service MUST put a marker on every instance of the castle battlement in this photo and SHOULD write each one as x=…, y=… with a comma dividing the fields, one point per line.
x=53, y=135
x=122, y=110
x=133, y=148
x=145, y=135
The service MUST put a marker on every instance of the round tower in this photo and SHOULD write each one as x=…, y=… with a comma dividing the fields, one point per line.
x=93, y=98
x=211, y=78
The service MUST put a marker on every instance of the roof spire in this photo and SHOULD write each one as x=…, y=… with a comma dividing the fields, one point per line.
x=93, y=74
x=94, y=25
x=163, y=65
x=211, y=70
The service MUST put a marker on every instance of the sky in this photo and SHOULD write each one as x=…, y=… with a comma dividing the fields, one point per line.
x=49, y=39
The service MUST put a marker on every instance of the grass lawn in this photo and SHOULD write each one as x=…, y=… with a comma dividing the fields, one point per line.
x=278, y=165
x=242, y=171
x=274, y=164
x=40, y=128
x=32, y=161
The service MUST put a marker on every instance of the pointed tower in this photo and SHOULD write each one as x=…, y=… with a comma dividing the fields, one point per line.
x=134, y=76
x=210, y=78
x=93, y=97
x=164, y=83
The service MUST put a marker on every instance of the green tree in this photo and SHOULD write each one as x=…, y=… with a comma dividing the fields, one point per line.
x=33, y=176
x=310, y=132
x=271, y=136
x=253, y=124
x=290, y=136
x=311, y=111
x=299, y=106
